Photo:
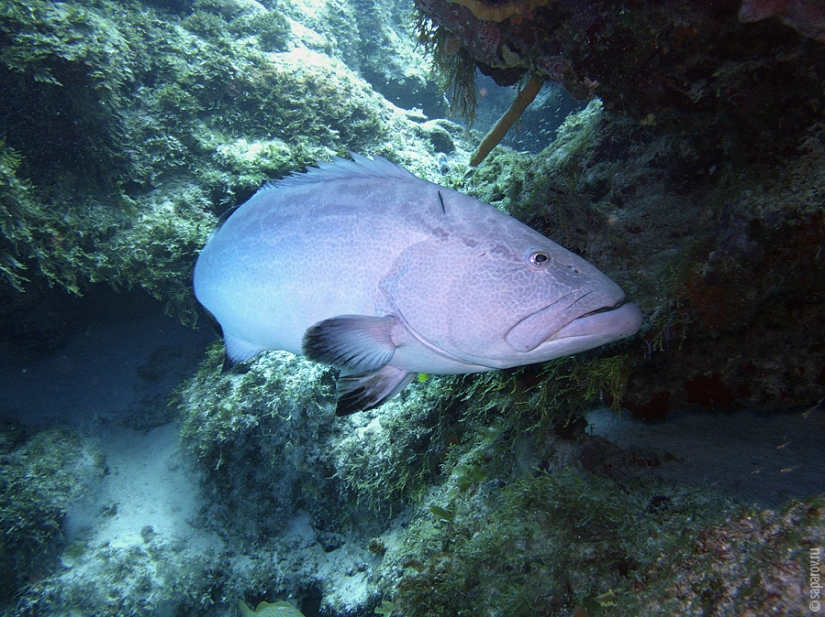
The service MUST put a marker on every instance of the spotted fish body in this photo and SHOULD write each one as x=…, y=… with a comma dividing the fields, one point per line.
x=362, y=265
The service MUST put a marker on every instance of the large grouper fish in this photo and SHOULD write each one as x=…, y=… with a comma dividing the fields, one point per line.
x=362, y=265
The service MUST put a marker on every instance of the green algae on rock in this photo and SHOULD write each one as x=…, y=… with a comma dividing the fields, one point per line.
x=41, y=478
x=270, y=609
x=149, y=124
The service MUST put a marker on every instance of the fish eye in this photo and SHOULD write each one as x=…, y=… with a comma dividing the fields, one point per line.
x=538, y=259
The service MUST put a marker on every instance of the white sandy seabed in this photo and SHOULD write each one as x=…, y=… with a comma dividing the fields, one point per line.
x=137, y=541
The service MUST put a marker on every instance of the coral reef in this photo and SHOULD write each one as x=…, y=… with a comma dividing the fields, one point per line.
x=268, y=443
x=724, y=259
x=465, y=494
x=544, y=530
x=563, y=544
x=724, y=255
x=694, y=180
x=744, y=87
x=283, y=478
x=150, y=124
x=282, y=404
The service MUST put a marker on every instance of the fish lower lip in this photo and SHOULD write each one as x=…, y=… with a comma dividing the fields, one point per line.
x=610, y=323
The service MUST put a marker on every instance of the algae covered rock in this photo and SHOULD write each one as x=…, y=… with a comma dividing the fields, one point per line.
x=274, y=426
x=270, y=609
x=148, y=124
x=14, y=201
x=262, y=428
x=564, y=543
x=705, y=246
x=285, y=476
x=741, y=84
x=41, y=478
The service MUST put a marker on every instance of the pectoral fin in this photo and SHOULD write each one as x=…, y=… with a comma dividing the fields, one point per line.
x=363, y=391
x=355, y=343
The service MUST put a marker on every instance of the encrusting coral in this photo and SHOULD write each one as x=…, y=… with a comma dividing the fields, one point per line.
x=805, y=16
x=499, y=11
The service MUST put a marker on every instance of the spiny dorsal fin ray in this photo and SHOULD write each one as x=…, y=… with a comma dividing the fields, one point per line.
x=343, y=169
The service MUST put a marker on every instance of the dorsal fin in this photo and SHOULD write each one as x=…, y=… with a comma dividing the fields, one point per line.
x=343, y=169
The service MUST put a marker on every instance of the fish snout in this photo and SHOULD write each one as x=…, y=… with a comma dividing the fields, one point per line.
x=604, y=326
x=585, y=308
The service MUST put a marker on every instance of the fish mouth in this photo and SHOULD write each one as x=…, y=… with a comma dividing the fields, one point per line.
x=604, y=309
x=573, y=316
x=608, y=323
